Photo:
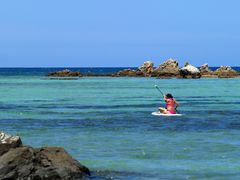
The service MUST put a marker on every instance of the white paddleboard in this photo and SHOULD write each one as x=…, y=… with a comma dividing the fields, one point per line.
x=161, y=114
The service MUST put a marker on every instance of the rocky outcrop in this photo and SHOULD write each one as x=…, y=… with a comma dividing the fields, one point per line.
x=146, y=68
x=129, y=73
x=189, y=71
x=205, y=71
x=167, y=69
x=47, y=163
x=226, y=72
x=65, y=73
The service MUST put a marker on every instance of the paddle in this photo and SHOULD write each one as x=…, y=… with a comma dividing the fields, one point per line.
x=159, y=90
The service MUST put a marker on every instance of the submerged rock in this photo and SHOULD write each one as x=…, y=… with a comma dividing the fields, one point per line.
x=189, y=71
x=48, y=163
x=64, y=73
x=167, y=69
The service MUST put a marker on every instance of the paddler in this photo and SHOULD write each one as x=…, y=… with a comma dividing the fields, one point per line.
x=171, y=105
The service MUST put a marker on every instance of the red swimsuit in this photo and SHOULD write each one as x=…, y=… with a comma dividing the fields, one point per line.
x=171, y=104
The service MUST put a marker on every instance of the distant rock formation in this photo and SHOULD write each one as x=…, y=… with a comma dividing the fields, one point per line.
x=146, y=68
x=47, y=163
x=128, y=73
x=167, y=69
x=205, y=69
x=206, y=72
x=226, y=72
x=65, y=73
x=189, y=71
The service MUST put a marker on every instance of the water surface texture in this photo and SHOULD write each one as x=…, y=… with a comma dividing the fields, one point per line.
x=106, y=123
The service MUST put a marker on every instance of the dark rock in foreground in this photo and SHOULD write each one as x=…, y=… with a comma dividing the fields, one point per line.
x=65, y=73
x=48, y=163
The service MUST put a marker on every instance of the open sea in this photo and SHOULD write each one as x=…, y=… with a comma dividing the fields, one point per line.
x=106, y=123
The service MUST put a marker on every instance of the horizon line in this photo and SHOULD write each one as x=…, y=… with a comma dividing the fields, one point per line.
x=95, y=66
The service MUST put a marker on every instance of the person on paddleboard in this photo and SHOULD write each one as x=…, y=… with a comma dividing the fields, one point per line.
x=171, y=105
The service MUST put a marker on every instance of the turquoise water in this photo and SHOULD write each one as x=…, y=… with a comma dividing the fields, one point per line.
x=106, y=124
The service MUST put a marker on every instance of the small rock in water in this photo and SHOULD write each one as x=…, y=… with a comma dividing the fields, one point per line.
x=65, y=73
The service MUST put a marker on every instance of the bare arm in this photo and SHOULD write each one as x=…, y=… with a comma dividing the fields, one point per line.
x=177, y=103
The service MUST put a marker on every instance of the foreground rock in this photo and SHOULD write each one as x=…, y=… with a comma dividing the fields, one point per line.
x=226, y=72
x=65, y=73
x=189, y=71
x=48, y=163
x=167, y=69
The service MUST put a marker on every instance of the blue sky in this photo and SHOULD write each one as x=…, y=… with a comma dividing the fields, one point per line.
x=112, y=33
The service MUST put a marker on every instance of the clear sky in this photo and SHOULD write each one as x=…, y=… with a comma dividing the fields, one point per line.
x=112, y=33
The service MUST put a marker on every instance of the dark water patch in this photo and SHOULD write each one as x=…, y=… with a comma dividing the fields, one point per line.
x=208, y=112
x=96, y=106
x=202, y=97
x=47, y=100
x=107, y=175
x=13, y=106
x=199, y=100
x=169, y=174
x=138, y=122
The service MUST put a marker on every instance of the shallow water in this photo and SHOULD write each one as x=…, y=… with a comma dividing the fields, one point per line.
x=106, y=123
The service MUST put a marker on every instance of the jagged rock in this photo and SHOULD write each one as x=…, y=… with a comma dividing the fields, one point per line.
x=206, y=72
x=48, y=163
x=226, y=72
x=146, y=68
x=167, y=69
x=204, y=69
x=189, y=71
x=7, y=142
x=64, y=73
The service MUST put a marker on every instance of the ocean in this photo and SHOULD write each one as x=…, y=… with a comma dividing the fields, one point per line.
x=106, y=122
